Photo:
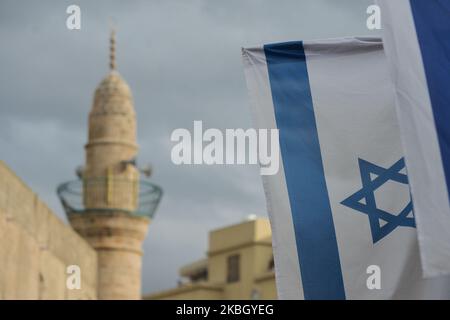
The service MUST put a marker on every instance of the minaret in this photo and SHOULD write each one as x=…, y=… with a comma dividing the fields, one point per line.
x=111, y=218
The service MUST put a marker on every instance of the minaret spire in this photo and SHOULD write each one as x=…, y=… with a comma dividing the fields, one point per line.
x=112, y=50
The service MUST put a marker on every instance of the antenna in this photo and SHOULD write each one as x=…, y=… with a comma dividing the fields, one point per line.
x=112, y=46
x=146, y=170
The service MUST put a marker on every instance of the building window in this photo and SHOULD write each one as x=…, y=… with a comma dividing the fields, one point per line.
x=271, y=265
x=233, y=268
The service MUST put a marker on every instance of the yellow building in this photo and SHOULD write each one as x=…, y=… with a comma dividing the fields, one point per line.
x=239, y=265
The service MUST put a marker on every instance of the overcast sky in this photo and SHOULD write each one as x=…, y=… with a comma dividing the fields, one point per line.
x=182, y=60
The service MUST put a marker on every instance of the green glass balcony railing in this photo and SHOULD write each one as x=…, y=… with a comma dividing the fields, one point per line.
x=136, y=197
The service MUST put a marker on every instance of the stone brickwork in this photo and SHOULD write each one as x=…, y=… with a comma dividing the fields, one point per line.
x=118, y=238
x=111, y=141
x=36, y=247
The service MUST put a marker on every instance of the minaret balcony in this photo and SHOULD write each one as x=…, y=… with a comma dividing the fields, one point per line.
x=137, y=197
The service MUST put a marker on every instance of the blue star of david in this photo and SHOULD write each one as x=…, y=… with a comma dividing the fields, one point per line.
x=367, y=192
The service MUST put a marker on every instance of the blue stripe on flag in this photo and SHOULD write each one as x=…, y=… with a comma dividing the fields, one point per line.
x=308, y=196
x=432, y=21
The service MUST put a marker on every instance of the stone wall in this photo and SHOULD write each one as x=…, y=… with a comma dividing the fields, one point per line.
x=36, y=247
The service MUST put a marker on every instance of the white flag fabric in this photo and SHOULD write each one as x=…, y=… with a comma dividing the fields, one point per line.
x=417, y=44
x=340, y=206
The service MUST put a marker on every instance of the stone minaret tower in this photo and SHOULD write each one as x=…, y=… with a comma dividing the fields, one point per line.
x=111, y=188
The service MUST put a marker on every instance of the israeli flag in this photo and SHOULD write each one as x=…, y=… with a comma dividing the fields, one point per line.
x=417, y=44
x=340, y=207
